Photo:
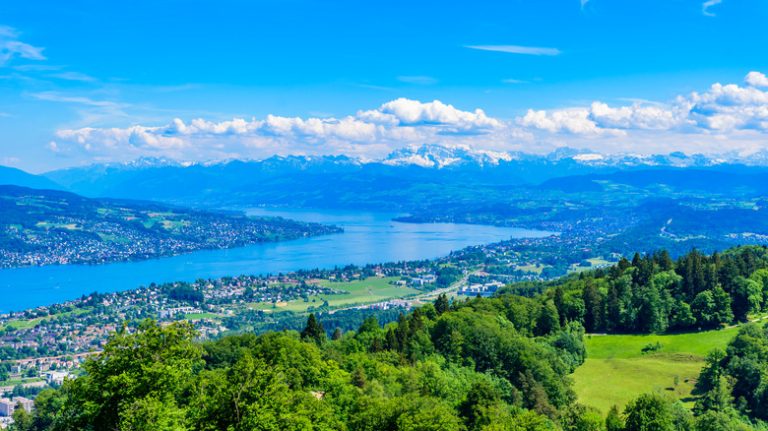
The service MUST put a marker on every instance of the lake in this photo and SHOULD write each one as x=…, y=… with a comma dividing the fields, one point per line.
x=367, y=238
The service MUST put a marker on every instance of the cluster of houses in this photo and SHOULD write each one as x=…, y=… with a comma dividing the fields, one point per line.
x=174, y=311
x=9, y=405
x=483, y=289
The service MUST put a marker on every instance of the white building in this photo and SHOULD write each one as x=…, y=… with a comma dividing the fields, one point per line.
x=56, y=377
x=24, y=403
x=7, y=407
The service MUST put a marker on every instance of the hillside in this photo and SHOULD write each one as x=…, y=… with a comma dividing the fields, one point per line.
x=17, y=177
x=499, y=363
x=41, y=227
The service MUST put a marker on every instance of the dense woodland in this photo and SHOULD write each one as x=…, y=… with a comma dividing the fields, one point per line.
x=440, y=367
x=500, y=363
x=655, y=294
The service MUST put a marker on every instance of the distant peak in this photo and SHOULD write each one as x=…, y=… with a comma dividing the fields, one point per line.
x=439, y=156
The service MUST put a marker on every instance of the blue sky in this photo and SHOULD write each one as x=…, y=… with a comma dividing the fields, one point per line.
x=90, y=81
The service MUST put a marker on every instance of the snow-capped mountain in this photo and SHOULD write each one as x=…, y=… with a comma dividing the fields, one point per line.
x=438, y=156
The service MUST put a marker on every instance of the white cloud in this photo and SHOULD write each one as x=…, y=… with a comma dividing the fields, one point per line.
x=54, y=96
x=707, y=5
x=412, y=112
x=73, y=76
x=756, y=79
x=367, y=133
x=722, y=118
x=11, y=47
x=517, y=49
x=720, y=108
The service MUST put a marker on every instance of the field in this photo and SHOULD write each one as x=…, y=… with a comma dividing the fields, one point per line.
x=617, y=370
x=31, y=323
x=595, y=262
x=366, y=291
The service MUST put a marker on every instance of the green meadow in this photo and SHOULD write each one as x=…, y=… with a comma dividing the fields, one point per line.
x=31, y=323
x=617, y=370
x=357, y=292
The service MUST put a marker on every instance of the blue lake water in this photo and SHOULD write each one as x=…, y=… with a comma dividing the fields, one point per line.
x=368, y=238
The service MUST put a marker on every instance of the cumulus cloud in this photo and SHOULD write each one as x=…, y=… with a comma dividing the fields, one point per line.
x=517, y=49
x=756, y=79
x=720, y=108
x=11, y=47
x=722, y=118
x=367, y=133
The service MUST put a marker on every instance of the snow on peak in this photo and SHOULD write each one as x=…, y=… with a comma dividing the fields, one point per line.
x=438, y=156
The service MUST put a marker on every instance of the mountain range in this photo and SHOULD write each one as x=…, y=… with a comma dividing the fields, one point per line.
x=407, y=180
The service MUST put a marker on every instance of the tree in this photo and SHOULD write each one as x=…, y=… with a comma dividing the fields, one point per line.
x=559, y=300
x=719, y=421
x=548, y=320
x=747, y=297
x=705, y=310
x=681, y=316
x=613, y=421
x=473, y=409
x=651, y=311
x=337, y=334
x=138, y=382
x=649, y=412
x=593, y=305
x=761, y=277
x=723, y=312
x=370, y=324
x=581, y=418
x=313, y=331
x=22, y=421
x=428, y=414
x=442, y=304
x=664, y=261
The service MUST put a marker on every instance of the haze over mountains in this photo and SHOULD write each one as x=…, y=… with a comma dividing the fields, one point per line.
x=17, y=177
x=401, y=181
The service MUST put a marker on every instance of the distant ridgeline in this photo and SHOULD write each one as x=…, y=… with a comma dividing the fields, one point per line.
x=500, y=363
x=42, y=227
x=655, y=294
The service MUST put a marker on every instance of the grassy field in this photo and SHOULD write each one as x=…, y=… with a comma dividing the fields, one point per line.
x=617, y=371
x=366, y=291
x=31, y=323
x=596, y=262
x=20, y=381
x=201, y=316
x=533, y=269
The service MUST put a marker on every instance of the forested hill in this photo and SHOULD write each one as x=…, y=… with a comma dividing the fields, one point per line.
x=41, y=227
x=654, y=293
x=500, y=363
x=442, y=367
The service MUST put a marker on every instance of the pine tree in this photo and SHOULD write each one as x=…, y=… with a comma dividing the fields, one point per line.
x=664, y=261
x=314, y=330
x=593, y=305
x=441, y=304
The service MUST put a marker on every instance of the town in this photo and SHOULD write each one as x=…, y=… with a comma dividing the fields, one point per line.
x=45, y=227
x=43, y=346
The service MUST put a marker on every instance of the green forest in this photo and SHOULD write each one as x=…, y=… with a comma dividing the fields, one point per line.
x=500, y=363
